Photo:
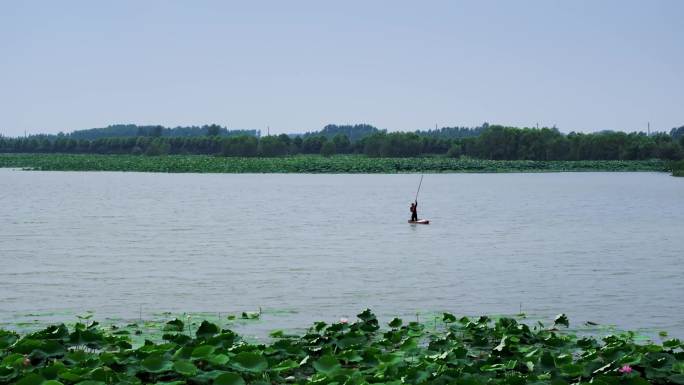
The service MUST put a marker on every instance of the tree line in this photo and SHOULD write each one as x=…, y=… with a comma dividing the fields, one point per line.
x=493, y=142
x=353, y=132
x=509, y=143
x=360, y=131
x=131, y=130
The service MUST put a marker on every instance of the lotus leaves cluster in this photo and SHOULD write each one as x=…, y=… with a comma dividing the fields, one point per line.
x=309, y=164
x=677, y=168
x=459, y=351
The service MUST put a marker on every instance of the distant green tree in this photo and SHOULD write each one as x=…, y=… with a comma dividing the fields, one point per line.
x=342, y=143
x=143, y=142
x=213, y=130
x=372, y=144
x=272, y=146
x=296, y=145
x=328, y=149
x=677, y=132
x=313, y=144
x=396, y=144
x=156, y=131
x=354, y=132
x=241, y=146
x=670, y=151
x=455, y=151
x=157, y=147
x=285, y=139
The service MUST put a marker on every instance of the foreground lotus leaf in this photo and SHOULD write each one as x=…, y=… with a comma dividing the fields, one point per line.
x=327, y=365
x=185, y=368
x=156, y=363
x=395, y=323
x=91, y=382
x=175, y=325
x=202, y=351
x=229, y=379
x=7, y=338
x=218, y=359
x=31, y=379
x=251, y=362
x=561, y=319
x=207, y=329
x=285, y=366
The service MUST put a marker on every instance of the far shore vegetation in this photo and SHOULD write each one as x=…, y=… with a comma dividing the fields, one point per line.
x=677, y=168
x=346, y=149
x=310, y=164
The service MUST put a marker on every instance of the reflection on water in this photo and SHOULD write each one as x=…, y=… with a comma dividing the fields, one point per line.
x=604, y=247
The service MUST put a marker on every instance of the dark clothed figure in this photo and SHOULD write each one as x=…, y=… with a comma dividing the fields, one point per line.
x=414, y=211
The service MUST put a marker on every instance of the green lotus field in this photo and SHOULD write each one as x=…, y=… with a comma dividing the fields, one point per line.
x=480, y=351
x=308, y=164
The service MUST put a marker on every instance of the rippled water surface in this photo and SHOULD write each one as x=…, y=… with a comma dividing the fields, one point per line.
x=605, y=247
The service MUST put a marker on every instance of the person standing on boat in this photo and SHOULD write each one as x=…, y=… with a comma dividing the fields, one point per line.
x=414, y=211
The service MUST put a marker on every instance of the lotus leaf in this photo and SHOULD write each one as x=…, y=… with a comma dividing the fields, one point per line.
x=561, y=319
x=327, y=365
x=229, y=379
x=207, y=329
x=202, y=351
x=31, y=379
x=156, y=363
x=250, y=362
x=185, y=368
x=175, y=325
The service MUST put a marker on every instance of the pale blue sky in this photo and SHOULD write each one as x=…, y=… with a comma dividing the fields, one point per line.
x=298, y=65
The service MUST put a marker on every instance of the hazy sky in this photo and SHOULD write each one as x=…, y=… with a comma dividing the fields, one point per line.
x=298, y=65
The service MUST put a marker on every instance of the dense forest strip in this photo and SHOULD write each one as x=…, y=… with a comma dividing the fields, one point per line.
x=307, y=164
x=353, y=132
x=492, y=142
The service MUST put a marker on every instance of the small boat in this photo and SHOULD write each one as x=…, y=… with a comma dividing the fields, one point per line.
x=420, y=222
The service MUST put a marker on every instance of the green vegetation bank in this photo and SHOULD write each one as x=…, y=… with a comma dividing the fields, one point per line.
x=448, y=350
x=490, y=142
x=678, y=168
x=308, y=164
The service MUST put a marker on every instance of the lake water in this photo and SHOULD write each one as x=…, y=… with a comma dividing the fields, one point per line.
x=604, y=247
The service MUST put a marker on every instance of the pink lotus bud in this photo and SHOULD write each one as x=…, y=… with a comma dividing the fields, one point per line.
x=344, y=321
x=626, y=369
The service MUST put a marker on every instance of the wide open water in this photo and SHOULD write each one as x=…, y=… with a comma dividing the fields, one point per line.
x=605, y=247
